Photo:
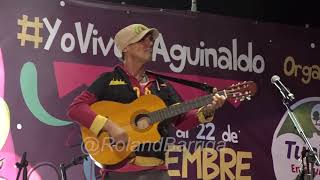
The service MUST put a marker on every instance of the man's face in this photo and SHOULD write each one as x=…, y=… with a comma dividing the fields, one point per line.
x=142, y=50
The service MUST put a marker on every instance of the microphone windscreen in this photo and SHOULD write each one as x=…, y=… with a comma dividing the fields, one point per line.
x=275, y=78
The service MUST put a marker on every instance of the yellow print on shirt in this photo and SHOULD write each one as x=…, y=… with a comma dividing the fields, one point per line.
x=146, y=91
x=117, y=82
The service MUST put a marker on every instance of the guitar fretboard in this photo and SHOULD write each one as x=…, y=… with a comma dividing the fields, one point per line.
x=181, y=108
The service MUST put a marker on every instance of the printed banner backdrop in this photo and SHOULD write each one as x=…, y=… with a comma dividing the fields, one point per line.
x=52, y=50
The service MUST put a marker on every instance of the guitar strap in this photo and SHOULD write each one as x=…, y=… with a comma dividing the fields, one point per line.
x=202, y=86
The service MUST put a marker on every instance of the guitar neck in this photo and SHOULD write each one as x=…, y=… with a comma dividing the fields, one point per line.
x=181, y=108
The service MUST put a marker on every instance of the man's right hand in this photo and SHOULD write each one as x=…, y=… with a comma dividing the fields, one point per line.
x=116, y=132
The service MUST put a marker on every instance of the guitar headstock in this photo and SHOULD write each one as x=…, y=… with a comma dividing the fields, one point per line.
x=241, y=91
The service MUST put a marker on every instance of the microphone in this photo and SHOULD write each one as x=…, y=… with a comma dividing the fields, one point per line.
x=283, y=90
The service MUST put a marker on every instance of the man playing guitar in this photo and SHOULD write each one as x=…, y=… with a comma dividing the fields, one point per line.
x=125, y=84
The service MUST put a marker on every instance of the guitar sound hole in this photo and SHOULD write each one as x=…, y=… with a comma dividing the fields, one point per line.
x=142, y=122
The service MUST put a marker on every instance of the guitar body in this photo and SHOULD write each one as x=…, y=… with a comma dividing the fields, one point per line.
x=101, y=148
x=107, y=153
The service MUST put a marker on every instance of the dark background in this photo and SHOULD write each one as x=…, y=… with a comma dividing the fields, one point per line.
x=297, y=13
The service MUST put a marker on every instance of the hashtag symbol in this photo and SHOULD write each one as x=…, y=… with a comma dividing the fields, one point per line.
x=25, y=24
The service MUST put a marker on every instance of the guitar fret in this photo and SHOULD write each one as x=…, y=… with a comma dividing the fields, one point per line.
x=157, y=117
x=152, y=117
x=162, y=115
x=173, y=111
x=170, y=113
x=176, y=111
x=167, y=113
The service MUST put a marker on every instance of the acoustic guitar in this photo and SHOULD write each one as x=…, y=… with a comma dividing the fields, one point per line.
x=105, y=152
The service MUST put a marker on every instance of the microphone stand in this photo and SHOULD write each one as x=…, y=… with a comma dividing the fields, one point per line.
x=23, y=165
x=311, y=155
x=75, y=161
x=306, y=170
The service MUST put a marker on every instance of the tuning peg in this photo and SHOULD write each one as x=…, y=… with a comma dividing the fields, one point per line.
x=248, y=98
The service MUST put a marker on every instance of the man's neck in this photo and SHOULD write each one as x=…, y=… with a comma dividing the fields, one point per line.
x=134, y=68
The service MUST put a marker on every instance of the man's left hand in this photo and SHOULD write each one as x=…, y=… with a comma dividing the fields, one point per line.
x=217, y=102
